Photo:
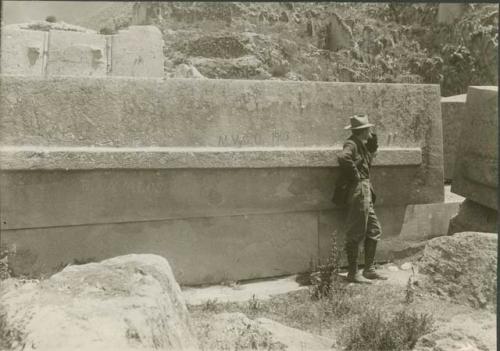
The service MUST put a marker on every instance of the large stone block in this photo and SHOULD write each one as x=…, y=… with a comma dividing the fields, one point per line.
x=23, y=52
x=452, y=112
x=76, y=54
x=61, y=198
x=83, y=156
x=137, y=52
x=200, y=250
x=476, y=169
x=223, y=113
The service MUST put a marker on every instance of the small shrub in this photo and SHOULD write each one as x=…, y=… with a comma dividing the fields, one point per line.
x=254, y=305
x=376, y=330
x=5, y=271
x=51, y=19
x=328, y=276
x=107, y=31
x=211, y=305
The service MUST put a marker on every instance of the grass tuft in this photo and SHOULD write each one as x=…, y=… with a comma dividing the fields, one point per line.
x=377, y=330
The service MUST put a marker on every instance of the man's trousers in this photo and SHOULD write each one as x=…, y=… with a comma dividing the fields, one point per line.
x=361, y=222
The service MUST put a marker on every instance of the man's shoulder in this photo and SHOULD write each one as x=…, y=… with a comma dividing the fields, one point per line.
x=350, y=142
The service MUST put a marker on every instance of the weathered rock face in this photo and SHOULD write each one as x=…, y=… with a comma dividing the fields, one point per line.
x=125, y=303
x=448, y=341
x=476, y=169
x=462, y=267
x=338, y=34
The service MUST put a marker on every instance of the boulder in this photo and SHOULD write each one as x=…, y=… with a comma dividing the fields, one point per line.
x=125, y=303
x=462, y=268
x=448, y=341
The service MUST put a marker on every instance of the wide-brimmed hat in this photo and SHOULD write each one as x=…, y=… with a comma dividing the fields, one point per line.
x=359, y=122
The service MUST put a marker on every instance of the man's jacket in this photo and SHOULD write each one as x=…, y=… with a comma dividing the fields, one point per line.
x=355, y=162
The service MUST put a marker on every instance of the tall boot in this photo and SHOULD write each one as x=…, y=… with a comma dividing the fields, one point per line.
x=369, y=270
x=353, y=275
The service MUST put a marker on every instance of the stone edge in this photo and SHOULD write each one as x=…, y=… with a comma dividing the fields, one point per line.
x=83, y=158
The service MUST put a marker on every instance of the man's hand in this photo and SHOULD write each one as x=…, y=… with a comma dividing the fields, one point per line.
x=372, y=143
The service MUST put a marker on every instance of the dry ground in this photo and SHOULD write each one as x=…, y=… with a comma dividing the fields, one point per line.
x=299, y=310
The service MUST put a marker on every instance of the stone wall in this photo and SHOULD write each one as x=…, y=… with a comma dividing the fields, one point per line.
x=136, y=51
x=227, y=179
x=452, y=111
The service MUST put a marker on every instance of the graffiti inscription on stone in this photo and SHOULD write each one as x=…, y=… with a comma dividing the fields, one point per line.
x=274, y=137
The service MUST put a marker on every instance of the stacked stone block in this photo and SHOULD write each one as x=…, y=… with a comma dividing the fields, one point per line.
x=452, y=112
x=476, y=169
x=134, y=52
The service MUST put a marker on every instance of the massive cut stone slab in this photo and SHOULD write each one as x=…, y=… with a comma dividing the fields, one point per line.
x=137, y=52
x=125, y=303
x=83, y=156
x=224, y=113
x=453, y=110
x=22, y=52
x=476, y=169
x=62, y=198
x=76, y=54
x=200, y=250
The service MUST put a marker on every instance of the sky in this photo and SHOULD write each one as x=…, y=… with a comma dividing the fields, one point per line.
x=66, y=11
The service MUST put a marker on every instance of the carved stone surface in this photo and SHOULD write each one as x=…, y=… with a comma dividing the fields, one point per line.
x=476, y=169
x=224, y=113
x=137, y=52
x=134, y=52
x=452, y=112
x=200, y=250
x=76, y=54
x=22, y=52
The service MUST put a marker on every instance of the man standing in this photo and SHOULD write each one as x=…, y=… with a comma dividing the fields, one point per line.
x=361, y=223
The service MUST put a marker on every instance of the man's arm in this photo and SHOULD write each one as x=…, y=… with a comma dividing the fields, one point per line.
x=372, y=144
x=346, y=160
